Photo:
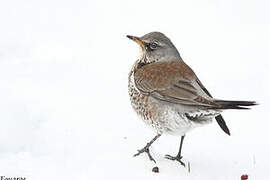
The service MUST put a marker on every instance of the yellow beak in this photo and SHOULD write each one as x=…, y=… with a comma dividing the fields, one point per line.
x=136, y=39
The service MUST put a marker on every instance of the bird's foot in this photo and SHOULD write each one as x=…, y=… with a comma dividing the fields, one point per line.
x=175, y=158
x=145, y=150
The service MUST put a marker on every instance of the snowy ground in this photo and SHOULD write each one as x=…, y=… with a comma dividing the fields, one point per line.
x=64, y=107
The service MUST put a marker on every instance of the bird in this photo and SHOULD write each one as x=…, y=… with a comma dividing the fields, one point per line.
x=168, y=96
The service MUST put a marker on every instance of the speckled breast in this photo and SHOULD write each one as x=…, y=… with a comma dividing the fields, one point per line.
x=143, y=105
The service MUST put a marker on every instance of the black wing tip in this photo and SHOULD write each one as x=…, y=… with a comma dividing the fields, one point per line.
x=248, y=103
x=222, y=124
x=255, y=103
x=235, y=104
x=227, y=132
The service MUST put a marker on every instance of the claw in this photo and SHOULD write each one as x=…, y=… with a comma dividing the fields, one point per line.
x=175, y=158
x=146, y=150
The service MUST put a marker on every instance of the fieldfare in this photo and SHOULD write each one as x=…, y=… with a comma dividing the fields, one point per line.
x=166, y=93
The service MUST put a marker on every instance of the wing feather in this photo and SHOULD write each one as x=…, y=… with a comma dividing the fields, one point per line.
x=173, y=82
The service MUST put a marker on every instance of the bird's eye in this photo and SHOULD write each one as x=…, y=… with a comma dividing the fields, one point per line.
x=153, y=45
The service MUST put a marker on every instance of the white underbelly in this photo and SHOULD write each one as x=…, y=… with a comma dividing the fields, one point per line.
x=175, y=123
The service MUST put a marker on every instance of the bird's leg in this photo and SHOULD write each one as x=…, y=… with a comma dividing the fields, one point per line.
x=178, y=157
x=146, y=148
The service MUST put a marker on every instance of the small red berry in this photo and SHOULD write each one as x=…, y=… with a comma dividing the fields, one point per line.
x=155, y=169
x=244, y=177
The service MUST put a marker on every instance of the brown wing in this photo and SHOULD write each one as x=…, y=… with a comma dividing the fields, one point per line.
x=171, y=81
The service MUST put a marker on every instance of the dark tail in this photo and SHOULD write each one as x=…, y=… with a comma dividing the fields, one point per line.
x=234, y=104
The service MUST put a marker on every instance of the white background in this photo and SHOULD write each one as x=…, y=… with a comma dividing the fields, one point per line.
x=64, y=107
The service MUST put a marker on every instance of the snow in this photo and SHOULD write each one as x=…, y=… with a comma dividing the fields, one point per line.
x=64, y=106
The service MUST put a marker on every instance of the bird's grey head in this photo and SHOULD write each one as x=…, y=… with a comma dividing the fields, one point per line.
x=156, y=47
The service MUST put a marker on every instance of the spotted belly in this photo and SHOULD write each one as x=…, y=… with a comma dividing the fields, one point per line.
x=166, y=118
x=161, y=118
